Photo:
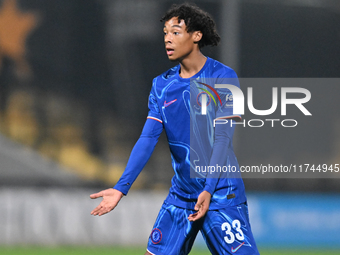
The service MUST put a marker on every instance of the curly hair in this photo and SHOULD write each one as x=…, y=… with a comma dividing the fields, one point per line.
x=196, y=20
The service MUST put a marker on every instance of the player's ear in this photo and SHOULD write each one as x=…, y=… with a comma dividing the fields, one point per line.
x=197, y=36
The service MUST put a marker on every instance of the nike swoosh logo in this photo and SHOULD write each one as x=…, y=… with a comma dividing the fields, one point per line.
x=236, y=249
x=166, y=104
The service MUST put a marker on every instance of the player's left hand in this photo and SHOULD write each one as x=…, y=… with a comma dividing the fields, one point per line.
x=202, y=206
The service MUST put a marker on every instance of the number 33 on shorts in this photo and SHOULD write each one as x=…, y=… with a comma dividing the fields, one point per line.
x=230, y=237
x=235, y=238
x=228, y=231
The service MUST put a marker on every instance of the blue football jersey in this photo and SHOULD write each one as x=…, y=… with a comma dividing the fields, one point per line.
x=176, y=103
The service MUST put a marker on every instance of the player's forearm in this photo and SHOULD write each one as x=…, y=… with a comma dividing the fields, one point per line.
x=140, y=155
x=138, y=158
x=218, y=157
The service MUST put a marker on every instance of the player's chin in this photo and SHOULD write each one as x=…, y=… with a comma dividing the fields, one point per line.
x=172, y=58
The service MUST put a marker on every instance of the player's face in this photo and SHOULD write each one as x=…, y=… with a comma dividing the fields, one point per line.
x=178, y=42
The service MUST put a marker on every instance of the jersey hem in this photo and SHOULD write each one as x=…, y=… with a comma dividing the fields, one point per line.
x=212, y=207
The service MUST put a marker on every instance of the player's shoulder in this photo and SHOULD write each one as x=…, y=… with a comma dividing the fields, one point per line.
x=221, y=70
x=167, y=75
x=223, y=75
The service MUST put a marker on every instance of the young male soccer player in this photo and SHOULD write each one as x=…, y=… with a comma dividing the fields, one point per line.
x=215, y=206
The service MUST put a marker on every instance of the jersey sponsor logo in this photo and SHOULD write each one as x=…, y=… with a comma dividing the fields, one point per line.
x=166, y=104
x=237, y=248
x=156, y=236
x=229, y=97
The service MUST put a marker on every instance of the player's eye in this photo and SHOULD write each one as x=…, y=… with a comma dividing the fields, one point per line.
x=176, y=33
x=165, y=33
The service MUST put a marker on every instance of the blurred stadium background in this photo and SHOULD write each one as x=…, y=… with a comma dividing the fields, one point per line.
x=74, y=82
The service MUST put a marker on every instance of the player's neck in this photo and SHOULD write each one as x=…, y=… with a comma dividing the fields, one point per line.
x=192, y=64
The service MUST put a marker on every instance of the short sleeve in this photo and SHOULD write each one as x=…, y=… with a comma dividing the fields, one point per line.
x=154, y=112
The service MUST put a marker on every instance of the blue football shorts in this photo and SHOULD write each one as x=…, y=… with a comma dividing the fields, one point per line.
x=225, y=231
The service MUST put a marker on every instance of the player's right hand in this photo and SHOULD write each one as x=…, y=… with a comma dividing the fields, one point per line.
x=111, y=198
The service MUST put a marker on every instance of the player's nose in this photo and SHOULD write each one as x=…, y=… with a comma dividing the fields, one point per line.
x=167, y=38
